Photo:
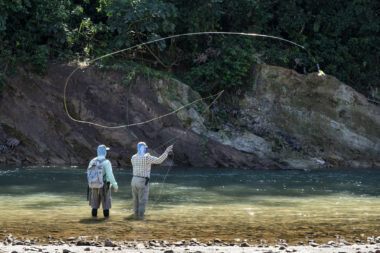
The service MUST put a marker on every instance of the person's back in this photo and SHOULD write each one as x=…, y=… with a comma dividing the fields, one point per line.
x=102, y=194
x=141, y=163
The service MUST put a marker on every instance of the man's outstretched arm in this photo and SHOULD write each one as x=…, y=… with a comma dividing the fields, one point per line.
x=159, y=160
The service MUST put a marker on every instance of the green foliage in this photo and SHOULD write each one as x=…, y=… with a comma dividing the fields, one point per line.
x=136, y=20
x=40, y=59
x=223, y=65
x=32, y=30
x=2, y=82
x=341, y=35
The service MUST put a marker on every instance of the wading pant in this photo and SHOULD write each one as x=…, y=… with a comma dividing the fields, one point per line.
x=140, y=193
x=101, y=195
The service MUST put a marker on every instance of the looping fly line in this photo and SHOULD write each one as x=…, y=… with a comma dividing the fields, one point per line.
x=216, y=96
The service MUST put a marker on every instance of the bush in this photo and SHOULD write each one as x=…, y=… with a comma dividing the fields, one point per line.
x=223, y=65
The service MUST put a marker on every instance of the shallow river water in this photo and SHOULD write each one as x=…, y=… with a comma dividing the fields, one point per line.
x=201, y=203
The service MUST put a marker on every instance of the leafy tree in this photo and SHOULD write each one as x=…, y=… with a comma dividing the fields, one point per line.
x=134, y=21
x=343, y=36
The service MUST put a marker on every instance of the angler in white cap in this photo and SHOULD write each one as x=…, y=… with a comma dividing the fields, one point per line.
x=100, y=180
x=141, y=163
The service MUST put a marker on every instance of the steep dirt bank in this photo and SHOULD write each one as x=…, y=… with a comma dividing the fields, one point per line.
x=282, y=120
x=32, y=112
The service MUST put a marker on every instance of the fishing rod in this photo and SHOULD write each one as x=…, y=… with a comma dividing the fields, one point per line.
x=215, y=96
x=155, y=41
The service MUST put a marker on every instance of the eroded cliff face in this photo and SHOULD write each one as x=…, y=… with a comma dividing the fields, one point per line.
x=32, y=111
x=283, y=120
x=301, y=121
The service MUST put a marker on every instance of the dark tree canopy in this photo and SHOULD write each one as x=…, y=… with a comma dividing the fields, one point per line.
x=343, y=36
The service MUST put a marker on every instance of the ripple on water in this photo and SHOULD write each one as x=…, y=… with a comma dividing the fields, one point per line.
x=193, y=206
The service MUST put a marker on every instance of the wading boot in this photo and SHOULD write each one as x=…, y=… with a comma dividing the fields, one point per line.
x=106, y=213
x=94, y=212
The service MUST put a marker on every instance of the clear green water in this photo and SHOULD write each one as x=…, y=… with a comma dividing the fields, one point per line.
x=202, y=203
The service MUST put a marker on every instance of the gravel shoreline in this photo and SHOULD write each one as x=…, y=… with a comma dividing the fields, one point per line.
x=83, y=244
x=192, y=249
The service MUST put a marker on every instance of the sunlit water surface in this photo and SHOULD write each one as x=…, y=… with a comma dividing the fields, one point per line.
x=201, y=203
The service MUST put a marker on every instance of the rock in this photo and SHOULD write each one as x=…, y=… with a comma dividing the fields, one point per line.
x=66, y=251
x=378, y=239
x=154, y=243
x=180, y=243
x=194, y=240
x=331, y=243
x=209, y=243
x=16, y=242
x=217, y=240
x=301, y=243
x=245, y=244
x=12, y=142
x=165, y=243
x=313, y=244
x=70, y=239
x=83, y=243
x=109, y=243
x=87, y=249
x=9, y=238
x=169, y=251
x=282, y=247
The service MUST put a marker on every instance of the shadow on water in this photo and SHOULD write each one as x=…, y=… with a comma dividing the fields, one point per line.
x=93, y=220
x=134, y=217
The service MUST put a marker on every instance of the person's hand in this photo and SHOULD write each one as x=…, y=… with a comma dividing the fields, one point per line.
x=169, y=149
x=115, y=189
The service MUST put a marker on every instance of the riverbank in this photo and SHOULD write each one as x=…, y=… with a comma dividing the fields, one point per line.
x=82, y=245
x=281, y=120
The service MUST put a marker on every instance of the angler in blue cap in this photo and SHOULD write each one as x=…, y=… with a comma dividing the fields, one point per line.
x=141, y=163
x=100, y=180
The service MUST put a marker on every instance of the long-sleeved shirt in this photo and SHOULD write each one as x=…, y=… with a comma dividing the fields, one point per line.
x=142, y=163
x=107, y=170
